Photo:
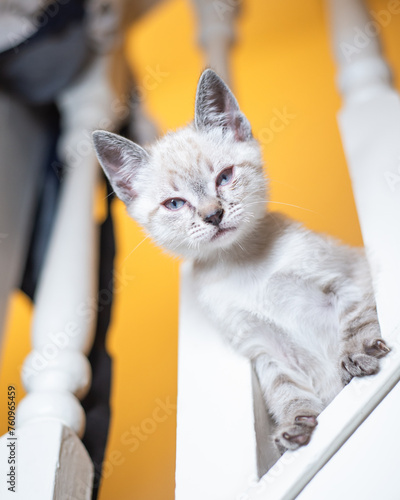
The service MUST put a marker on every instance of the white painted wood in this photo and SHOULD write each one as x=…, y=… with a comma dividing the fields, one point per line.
x=337, y=422
x=217, y=32
x=370, y=128
x=216, y=448
x=371, y=139
x=64, y=308
x=57, y=372
x=367, y=465
x=51, y=461
x=355, y=39
x=52, y=464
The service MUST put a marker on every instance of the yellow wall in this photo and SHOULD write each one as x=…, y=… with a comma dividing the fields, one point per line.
x=282, y=61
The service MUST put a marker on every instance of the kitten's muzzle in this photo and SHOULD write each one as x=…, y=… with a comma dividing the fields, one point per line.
x=214, y=218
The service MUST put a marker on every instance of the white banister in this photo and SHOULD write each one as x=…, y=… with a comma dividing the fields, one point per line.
x=355, y=41
x=370, y=128
x=216, y=441
x=63, y=319
x=52, y=463
x=369, y=123
x=56, y=372
x=217, y=32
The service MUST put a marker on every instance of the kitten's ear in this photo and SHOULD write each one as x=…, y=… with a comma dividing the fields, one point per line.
x=120, y=159
x=216, y=106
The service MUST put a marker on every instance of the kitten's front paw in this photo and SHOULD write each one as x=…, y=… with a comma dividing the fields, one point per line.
x=292, y=436
x=363, y=363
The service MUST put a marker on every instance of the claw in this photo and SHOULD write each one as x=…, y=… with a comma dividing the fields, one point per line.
x=300, y=439
x=377, y=348
x=298, y=433
x=307, y=419
x=382, y=346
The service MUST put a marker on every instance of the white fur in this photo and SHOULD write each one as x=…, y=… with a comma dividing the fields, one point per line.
x=298, y=304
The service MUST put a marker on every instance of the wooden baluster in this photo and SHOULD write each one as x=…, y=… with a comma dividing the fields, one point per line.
x=57, y=371
x=52, y=461
x=363, y=72
x=217, y=33
x=370, y=128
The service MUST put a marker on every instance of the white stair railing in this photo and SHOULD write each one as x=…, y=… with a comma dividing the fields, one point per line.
x=217, y=34
x=50, y=457
x=57, y=371
x=51, y=461
x=370, y=128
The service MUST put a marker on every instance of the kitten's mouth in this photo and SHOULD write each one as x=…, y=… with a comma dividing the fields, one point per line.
x=222, y=232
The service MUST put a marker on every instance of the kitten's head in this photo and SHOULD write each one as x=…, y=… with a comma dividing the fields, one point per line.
x=199, y=189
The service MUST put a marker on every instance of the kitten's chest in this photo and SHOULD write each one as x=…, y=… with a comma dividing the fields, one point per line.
x=227, y=291
x=269, y=292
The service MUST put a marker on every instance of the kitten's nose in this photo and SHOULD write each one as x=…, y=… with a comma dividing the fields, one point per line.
x=215, y=218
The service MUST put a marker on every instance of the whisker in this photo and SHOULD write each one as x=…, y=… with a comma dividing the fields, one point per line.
x=295, y=206
x=137, y=246
x=112, y=192
x=256, y=203
x=279, y=203
x=240, y=246
x=253, y=193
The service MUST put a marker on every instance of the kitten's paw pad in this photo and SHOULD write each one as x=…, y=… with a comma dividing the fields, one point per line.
x=376, y=348
x=291, y=437
x=358, y=365
x=365, y=362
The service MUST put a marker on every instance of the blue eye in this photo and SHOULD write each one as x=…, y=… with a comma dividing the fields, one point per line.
x=225, y=177
x=174, y=203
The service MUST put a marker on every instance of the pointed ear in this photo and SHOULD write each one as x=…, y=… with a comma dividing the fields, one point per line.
x=216, y=106
x=120, y=159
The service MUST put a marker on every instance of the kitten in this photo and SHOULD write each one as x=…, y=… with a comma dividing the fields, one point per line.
x=297, y=304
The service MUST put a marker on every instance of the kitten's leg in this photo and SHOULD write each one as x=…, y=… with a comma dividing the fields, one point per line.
x=291, y=402
x=361, y=341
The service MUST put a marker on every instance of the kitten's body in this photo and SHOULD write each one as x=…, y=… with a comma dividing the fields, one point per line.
x=298, y=304
x=278, y=301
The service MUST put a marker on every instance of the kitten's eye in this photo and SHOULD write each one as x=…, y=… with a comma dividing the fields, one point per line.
x=225, y=177
x=174, y=203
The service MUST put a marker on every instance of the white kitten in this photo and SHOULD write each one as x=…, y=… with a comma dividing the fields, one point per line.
x=298, y=304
